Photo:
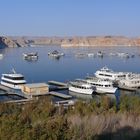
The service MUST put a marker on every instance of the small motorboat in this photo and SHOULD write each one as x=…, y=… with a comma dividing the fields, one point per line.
x=30, y=56
x=55, y=54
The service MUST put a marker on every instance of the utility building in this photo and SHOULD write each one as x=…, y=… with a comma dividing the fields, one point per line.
x=35, y=88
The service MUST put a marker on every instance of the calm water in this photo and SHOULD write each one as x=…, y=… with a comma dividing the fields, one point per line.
x=68, y=67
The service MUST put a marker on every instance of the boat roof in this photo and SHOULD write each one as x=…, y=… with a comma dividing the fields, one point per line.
x=13, y=75
x=93, y=78
x=36, y=85
x=98, y=80
x=82, y=84
x=106, y=69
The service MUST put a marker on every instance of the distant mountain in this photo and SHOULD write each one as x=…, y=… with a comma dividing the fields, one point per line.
x=100, y=41
x=89, y=41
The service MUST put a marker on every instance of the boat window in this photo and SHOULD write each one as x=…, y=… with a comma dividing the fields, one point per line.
x=105, y=75
x=14, y=78
x=13, y=82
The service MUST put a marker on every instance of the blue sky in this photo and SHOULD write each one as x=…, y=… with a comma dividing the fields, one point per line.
x=70, y=17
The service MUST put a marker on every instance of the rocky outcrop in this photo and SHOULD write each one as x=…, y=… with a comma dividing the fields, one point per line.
x=7, y=42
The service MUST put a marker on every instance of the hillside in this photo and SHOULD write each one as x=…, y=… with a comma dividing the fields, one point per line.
x=89, y=41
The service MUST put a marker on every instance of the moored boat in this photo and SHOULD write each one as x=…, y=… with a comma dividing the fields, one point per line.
x=13, y=80
x=55, y=54
x=81, y=87
x=102, y=85
x=130, y=82
x=30, y=56
x=106, y=73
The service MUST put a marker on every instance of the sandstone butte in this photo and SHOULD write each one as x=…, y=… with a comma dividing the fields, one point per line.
x=89, y=41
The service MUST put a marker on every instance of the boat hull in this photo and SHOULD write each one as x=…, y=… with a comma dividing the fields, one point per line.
x=11, y=85
x=82, y=91
x=106, y=90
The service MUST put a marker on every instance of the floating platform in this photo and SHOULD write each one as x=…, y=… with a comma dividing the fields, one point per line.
x=56, y=83
x=65, y=103
x=19, y=101
x=9, y=91
x=61, y=95
x=4, y=88
x=56, y=88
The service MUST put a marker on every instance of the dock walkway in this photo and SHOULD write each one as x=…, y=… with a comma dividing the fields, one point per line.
x=57, y=83
x=61, y=95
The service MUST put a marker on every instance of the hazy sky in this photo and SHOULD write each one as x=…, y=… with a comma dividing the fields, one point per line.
x=70, y=17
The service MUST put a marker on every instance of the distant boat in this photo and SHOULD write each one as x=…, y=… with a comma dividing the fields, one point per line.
x=30, y=56
x=80, y=55
x=100, y=54
x=123, y=55
x=55, y=54
x=1, y=55
x=112, y=54
x=90, y=54
x=13, y=80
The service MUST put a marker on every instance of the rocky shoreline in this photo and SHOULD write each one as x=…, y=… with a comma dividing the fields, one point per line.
x=90, y=41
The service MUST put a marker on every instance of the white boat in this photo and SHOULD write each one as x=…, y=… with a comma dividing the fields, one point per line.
x=30, y=56
x=13, y=80
x=80, y=55
x=100, y=54
x=1, y=55
x=90, y=54
x=112, y=54
x=123, y=55
x=81, y=87
x=131, y=80
x=102, y=85
x=106, y=73
x=55, y=54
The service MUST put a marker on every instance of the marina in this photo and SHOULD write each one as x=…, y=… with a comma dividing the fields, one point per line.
x=37, y=71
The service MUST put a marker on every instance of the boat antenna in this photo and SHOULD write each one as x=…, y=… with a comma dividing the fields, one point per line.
x=13, y=70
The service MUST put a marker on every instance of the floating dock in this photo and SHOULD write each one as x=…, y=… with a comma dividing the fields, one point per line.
x=9, y=91
x=61, y=95
x=65, y=103
x=4, y=88
x=56, y=83
x=19, y=101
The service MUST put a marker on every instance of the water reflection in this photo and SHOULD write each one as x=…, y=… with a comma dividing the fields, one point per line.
x=81, y=96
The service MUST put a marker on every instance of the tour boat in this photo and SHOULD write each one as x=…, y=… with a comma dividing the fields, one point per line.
x=106, y=73
x=13, y=80
x=81, y=87
x=101, y=85
x=131, y=80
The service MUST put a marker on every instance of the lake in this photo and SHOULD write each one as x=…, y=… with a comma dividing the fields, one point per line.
x=68, y=67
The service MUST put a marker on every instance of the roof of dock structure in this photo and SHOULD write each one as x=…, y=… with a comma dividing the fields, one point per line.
x=36, y=85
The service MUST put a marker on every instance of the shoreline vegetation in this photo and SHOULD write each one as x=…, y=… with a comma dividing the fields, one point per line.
x=89, y=41
x=86, y=120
